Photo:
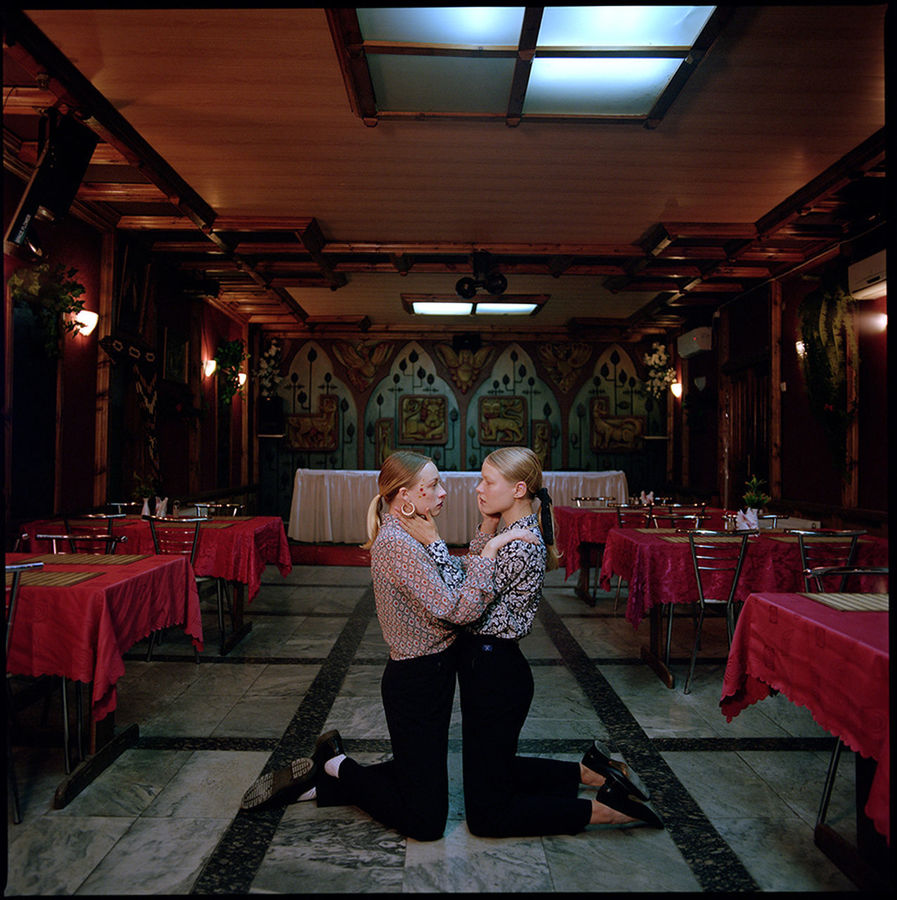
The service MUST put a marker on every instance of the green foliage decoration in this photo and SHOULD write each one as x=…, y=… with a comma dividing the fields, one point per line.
x=830, y=339
x=53, y=291
x=229, y=356
x=754, y=496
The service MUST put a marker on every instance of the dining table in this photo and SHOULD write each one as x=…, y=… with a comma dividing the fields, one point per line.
x=77, y=616
x=581, y=534
x=234, y=548
x=828, y=652
x=657, y=564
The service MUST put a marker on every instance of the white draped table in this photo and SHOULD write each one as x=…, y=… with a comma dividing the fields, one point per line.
x=330, y=505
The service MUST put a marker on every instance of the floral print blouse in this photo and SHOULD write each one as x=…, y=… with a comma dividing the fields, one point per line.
x=418, y=610
x=519, y=573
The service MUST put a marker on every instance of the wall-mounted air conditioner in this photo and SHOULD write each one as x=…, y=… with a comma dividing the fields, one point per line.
x=694, y=341
x=867, y=278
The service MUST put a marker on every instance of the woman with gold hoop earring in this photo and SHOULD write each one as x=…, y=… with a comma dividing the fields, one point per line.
x=419, y=614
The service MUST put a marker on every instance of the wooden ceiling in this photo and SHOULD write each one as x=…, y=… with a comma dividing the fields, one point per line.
x=229, y=143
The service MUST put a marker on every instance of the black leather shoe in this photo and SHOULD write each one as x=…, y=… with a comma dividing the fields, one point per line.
x=617, y=798
x=328, y=745
x=616, y=773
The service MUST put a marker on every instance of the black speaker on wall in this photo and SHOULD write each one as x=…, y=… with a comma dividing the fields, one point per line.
x=64, y=158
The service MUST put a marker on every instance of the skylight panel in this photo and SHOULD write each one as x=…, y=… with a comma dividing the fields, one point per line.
x=479, y=26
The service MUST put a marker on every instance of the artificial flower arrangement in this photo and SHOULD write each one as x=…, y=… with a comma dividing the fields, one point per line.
x=754, y=497
x=660, y=373
x=268, y=372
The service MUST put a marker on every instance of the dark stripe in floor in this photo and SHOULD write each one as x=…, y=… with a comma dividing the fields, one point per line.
x=712, y=861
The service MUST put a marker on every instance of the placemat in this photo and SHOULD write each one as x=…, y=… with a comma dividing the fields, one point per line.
x=811, y=539
x=657, y=531
x=51, y=579
x=88, y=559
x=683, y=539
x=853, y=602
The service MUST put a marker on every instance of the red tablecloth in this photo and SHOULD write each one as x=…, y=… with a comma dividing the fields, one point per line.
x=577, y=526
x=833, y=662
x=661, y=571
x=237, y=549
x=81, y=631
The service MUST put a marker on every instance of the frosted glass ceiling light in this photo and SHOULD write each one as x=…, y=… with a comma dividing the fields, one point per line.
x=622, y=26
x=480, y=26
x=435, y=308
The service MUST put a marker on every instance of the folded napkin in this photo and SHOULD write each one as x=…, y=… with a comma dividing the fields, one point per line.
x=647, y=498
x=161, y=506
x=746, y=521
x=146, y=510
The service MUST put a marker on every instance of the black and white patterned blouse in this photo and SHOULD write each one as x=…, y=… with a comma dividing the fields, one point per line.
x=519, y=573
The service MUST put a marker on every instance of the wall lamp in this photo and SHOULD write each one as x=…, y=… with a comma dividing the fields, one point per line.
x=676, y=389
x=85, y=321
x=241, y=378
x=208, y=367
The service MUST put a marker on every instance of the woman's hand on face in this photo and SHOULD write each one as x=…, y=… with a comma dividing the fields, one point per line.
x=500, y=540
x=421, y=528
x=489, y=525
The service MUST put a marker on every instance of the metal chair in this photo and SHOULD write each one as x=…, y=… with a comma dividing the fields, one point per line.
x=631, y=517
x=826, y=547
x=99, y=544
x=179, y=536
x=219, y=509
x=593, y=502
x=677, y=515
x=16, y=570
x=717, y=557
x=126, y=507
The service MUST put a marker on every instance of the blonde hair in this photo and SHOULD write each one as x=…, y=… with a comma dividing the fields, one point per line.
x=521, y=464
x=399, y=470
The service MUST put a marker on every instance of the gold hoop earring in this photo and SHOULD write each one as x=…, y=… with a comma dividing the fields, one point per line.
x=408, y=515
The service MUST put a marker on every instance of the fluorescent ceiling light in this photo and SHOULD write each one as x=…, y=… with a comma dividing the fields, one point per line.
x=441, y=308
x=505, y=309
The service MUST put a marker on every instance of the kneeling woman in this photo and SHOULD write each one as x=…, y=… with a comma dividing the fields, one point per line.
x=505, y=794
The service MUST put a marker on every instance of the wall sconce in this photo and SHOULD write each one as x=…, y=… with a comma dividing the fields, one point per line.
x=85, y=321
x=801, y=349
x=241, y=379
x=208, y=367
x=676, y=389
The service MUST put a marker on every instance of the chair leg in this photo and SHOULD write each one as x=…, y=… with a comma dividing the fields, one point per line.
x=219, y=590
x=694, y=653
x=617, y=595
x=79, y=719
x=829, y=782
x=149, y=649
x=65, y=726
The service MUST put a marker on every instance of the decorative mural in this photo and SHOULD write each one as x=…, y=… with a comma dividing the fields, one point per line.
x=579, y=406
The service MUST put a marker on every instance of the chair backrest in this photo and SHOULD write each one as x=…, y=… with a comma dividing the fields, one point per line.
x=718, y=557
x=125, y=507
x=850, y=577
x=218, y=509
x=593, y=502
x=95, y=525
x=176, y=535
x=97, y=544
x=15, y=570
x=634, y=516
x=679, y=516
x=826, y=547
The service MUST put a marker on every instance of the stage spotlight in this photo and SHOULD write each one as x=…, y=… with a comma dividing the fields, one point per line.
x=466, y=288
x=496, y=284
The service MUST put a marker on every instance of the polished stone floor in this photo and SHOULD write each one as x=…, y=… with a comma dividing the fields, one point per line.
x=739, y=799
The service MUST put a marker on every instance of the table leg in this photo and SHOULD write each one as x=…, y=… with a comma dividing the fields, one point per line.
x=105, y=749
x=652, y=654
x=239, y=627
x=589, y=555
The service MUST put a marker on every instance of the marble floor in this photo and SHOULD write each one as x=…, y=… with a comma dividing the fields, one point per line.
x=739, y=799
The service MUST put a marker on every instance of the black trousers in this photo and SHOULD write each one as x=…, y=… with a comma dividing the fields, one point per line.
x=410, y=791
x=506, y=795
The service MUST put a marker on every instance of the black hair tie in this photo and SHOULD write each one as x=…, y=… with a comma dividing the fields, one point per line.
x=545, y=515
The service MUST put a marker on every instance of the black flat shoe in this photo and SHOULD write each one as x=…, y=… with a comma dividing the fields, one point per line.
x=625, y=803
x=597, y=758
x=281, y=786
x=328, y=745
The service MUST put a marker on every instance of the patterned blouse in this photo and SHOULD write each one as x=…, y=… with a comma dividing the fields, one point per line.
x=417, y=609
x=519, y=573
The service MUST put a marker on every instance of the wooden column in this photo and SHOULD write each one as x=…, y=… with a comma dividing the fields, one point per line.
x=850, y=484
x=104, y=372
x=775, y=390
